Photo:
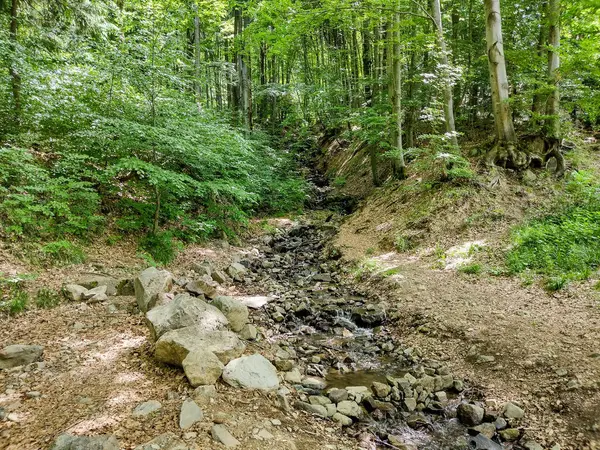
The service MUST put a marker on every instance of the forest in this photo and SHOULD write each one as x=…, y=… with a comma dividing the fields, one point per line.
x=428, y=168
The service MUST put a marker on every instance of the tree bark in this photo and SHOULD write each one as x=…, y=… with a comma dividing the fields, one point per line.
x=552, y=105
x=399, y=165
x=197, y=86
x=444, y=66
x=15, y=76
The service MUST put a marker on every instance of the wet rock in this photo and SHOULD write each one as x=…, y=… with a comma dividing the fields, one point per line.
x=319, y=410
x=470, y=415
x=372, y=404
x=409, y=404
x=399, y=443
x=74, y=292
x=202, y=367
x=350, y=409
x=381, y=390
x=203, y=394
x=343, y=420
x=251, y=372
x=512, y=411
x=221, y=434
x=318, y=400
x=149, y=285
x=19, y=355
x=236, y=271
x=72, y=442
x=510, y=434
x=314, y=383
x=480, y=442
x=248, y=332
x=174, y=346
x=190, y=414
x=203, y=286
x=368, y=317
x=92, y=281
x=487, y=429
x=337, y=395
x=417, y=420
x=532, y=445
x=147, y=408
x=500, y=423
x=184, y=311
x=166, y=441
x=235, y=311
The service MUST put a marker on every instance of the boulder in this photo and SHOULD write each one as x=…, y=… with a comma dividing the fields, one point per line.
x=350, y=409
x=174, y=346
x=480, y=442
x=202, y=367
x=149, y=285
x=190, y=414
x=166, y=441
x=235, y=311
x=92, y=280
x=72, y=442
x=19, y=355
x=512, y=411
x=343, y=420
x=74, y=292
x=337, y=395
x=381, y=390
x=203, y=394
x=147, y=408
x=251, y=372
x=96, y=295
x=221, y=434
x=219, y=276
x=202, y=268
x=318, y=410
x=203, y=286
x=470, y=415
x=248, y=332
x=184, y=311
x=236, y=271
x=126, y=288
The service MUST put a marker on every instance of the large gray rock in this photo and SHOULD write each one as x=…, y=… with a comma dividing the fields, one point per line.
x=184, y=311
x=221, y=434
x=202, y=367
x=205, y=286
x=174, y=346
x=318, y=410
x=236, y=271
x=350, y=409
x=470, y=415
x=190, y=414
x=166, y=441
x=92, y=280
x=149, y=285
x=235, y=311
x=19, y=355
x=71, y=442
x=251, y=372
x=74, y=292
x=512, y=411
x=147, y=408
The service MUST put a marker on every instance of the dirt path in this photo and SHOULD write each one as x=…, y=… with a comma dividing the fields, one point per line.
x=517, y=343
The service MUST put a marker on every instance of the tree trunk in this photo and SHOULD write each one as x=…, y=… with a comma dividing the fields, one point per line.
x=447, y=86
x=538, y=98
x=504, y=152
x=399, y=165
x=552, y=105
x=13, y=70
x=197, y=86
x=367, y=61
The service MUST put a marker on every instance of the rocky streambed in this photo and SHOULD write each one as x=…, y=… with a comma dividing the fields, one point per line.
x=305, y=337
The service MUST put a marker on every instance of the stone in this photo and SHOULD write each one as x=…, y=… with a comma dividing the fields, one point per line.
x=203, y=394
x=532, y=445
x=314, y=383
x=202, y=268
x=284, y=365
x=202, y=367
x=487, y=429
x=264, y=435
x=221, y=434
x=219, y=276
x=410, y=404
x=174, y=346
x=235, y=311
x=293, y=376
x=318, y=400
x=510, y=434
x=166, y=441
x=248, y=332
x=147, y=408
x=337, y=395
x=74, y=292
x=190, y=414
x=125, y=287
x=72, y=442
x=350, y=409
x=19, y=355
x=149, y=285
x=236, y=271
x=96, y=294
x=203, y=286
x=184, y=311
x=469, y=414
x=381, y=390
x=251, y=372
x=512, y=411
x=500, y=423
x=480, y=442
x=319, y=410
x=92, y=281
x=343, y=420
x=400, y=443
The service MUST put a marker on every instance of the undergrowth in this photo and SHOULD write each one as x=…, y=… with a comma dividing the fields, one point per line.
x=563, y=245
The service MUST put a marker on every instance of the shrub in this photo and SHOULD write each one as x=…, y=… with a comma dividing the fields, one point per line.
x=47, y=298
x=60, y=253
x=160, y=246
x=471, y=269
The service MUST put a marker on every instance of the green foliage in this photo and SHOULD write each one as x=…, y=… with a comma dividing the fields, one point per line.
x=565, y=244
x=60, y=253
x=13, y=297
x=160, y=246
x=339, y=182
x=47, y=298
x=471, y=268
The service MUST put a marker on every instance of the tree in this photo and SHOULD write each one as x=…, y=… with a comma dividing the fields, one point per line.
x=399, y=165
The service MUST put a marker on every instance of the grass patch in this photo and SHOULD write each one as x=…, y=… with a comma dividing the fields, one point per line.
x=563, y=245
x=47, y=298
x=470, y=269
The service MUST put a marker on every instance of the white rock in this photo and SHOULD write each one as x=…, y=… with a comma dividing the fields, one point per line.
x=190, y=414
x=202, y=367
x=251, y=372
